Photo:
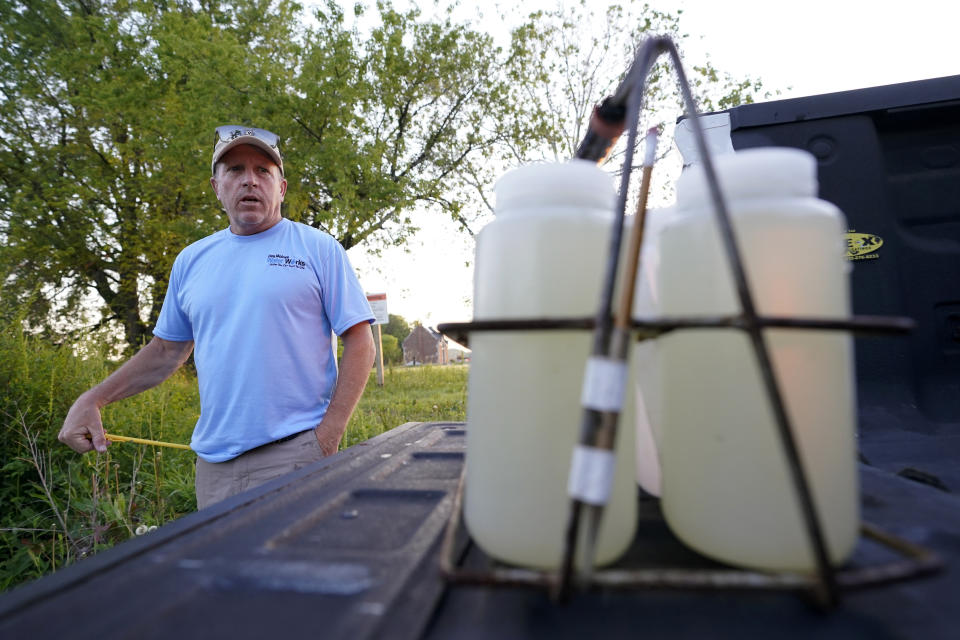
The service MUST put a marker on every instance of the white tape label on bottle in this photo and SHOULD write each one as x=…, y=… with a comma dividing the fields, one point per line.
x=591, y=475
x=604, y=382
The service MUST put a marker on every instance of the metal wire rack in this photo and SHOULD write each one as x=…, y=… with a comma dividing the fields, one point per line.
x=826, y=582
x=913, y=561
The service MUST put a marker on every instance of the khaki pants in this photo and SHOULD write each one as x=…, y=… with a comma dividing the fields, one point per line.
x=220, y=480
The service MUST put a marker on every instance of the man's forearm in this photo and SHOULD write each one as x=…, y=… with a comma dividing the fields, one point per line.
x=150, y=366
x=358, y=355
x=82, y=429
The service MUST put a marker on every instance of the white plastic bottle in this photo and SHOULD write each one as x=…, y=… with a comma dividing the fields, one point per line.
x=646, y=355
x=543, y=256
x=726, y=487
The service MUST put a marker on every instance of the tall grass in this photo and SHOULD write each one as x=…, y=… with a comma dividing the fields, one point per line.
x=409, y=394
x=58, y=506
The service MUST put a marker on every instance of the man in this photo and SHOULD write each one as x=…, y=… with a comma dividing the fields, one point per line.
x=256, y=303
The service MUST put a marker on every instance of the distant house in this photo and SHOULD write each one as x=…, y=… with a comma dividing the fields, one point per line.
x=425, y=346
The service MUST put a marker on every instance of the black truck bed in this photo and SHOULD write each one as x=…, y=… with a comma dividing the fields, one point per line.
x=350, y=548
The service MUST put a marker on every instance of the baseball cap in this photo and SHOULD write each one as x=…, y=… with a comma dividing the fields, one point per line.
x=230, y=135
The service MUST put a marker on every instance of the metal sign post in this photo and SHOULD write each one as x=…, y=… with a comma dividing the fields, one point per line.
x=378, y=304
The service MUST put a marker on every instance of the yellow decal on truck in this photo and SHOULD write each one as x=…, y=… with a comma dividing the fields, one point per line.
x=861, y=246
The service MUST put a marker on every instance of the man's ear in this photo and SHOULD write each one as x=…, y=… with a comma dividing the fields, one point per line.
x=216, y=191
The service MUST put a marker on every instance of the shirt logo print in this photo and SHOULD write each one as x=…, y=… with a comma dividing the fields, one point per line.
x=281, y=260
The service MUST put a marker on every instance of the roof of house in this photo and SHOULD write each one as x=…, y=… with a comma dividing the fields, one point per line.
x=453, y=345
x=430, y=331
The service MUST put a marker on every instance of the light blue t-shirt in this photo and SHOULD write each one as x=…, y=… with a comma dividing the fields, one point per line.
x=260, y=310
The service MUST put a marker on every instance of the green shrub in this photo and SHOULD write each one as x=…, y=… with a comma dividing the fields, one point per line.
x=59, y=506
x=392, y=351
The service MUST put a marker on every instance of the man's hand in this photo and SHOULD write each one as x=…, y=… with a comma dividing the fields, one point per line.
x=358, y=353
x=82, y=430
x=328, y=435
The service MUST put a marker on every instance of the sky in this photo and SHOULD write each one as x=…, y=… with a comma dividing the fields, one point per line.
x=796, y=48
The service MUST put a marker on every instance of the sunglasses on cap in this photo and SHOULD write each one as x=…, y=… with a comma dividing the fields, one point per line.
x=230, y=135
x=228, y=132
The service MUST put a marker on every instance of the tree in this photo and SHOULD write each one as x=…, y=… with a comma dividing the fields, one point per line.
x=397, y=327
x=581, y=54
x=393, y=335
x=407, y=115
x=107, y=105
x=392, y=351
x=100, y=171
x=108, y=108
